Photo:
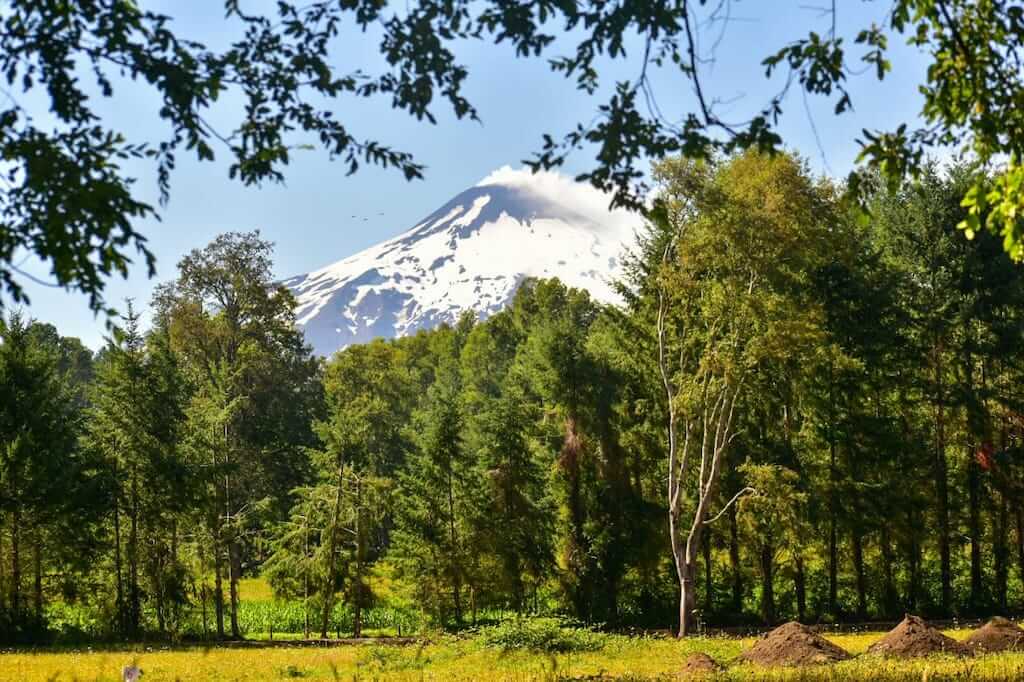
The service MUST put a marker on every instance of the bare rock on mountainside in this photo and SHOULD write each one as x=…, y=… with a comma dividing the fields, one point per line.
x=699, y=665
x=912, y=638
x=793, y=644
x=999, y=634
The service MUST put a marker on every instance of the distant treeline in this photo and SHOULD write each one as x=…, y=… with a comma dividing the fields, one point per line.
x=869, y=358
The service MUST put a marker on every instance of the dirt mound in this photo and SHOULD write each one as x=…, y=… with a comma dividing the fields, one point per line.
x=793, y=644
x=999, y=634
x=699, y=665
x=913, y=637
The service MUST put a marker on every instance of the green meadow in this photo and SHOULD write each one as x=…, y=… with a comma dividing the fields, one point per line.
x=486, y=655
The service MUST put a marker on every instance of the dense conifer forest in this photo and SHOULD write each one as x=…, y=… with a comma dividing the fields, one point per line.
x=822, y=403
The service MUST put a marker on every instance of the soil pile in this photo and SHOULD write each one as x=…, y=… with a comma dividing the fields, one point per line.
x=999, y=634
x=699, y=665
x=913, y=637
x=793, y=644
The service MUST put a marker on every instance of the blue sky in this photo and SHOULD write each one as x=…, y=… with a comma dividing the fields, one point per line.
x=309, y=218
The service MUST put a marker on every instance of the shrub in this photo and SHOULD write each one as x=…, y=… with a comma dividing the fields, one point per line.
x=76, y=622
x=543, y=635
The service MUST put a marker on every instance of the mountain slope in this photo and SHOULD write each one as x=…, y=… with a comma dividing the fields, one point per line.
x=470, y=254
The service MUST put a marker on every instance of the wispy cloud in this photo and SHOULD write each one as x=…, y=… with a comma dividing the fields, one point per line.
x=561, y=189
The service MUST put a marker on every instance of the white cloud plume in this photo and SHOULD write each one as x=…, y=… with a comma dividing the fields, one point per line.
x=580, y=197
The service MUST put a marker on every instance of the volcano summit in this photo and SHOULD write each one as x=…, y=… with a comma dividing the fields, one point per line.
x=470, y=254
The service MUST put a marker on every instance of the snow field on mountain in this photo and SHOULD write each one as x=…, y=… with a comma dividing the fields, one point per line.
x=470, y=254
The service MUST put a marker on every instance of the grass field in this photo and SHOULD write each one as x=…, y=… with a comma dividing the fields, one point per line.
x=477, y=658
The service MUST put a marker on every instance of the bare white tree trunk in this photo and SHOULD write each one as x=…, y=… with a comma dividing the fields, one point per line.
x=710, y=421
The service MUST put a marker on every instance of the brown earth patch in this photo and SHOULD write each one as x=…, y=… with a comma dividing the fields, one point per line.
x=793, y=644
x=913, y=637
x=999, y=634
x=699, y=665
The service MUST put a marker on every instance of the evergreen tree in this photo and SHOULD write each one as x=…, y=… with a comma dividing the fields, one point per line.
x=368, y=397
x=434, y=510
x=50, y=489
x=134, y=424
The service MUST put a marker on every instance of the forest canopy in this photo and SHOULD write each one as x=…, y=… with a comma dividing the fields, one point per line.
x=842, y=394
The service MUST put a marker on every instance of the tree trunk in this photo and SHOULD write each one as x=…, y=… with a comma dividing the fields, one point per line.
x=305, y=578
x=889, y=596
x=974, y=437
x=15, y=564
x=158, y=582
x=175, y=605
x=858, y=566
x=122, y=624
x=974, y=529
x=218, y=582
x=161, y=608
x=232, y=530
x=833, y=504
x=1002, y=533
x=234, y=575
x=577, y=559
x=511, y=560
x=332, y=549
x=357, y=620
x=1019, y=513
x=37, y=569
x=685, y=558
x=202, y=601
x=913, y=545
x=734, y=562
x=800, y=586
x=453, y=537
x=512, y=569
x=767, y=583
x=913, y=564
x=687, y=601
x=611, y=605
x=134, y=596
x=709, y=586
x=833, y=563
x=3, y=568
x=1001, y=553
x=942, y=485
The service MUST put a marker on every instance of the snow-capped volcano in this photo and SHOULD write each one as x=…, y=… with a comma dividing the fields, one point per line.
x=470, y=254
